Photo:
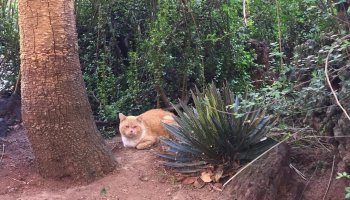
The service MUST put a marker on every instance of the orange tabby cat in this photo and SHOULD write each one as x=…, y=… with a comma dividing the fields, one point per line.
x=143, y=131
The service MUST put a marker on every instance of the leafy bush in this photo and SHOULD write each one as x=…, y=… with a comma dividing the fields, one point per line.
x=347, y=189
x=9, y=44
x=217, y=131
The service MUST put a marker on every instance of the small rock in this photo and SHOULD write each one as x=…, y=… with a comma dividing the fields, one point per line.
x=12, y=190
x=144, y=178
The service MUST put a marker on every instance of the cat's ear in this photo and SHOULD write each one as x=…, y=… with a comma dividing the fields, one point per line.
x=139, y=118
x=122, y=117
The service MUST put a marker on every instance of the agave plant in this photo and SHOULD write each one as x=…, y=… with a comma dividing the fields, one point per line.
x=216, y=131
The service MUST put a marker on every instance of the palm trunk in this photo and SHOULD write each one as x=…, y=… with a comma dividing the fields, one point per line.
x=55, y=109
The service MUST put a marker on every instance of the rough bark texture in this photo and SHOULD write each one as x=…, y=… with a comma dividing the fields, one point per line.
x=342, y=13
x=55, y=110
x=262, y=58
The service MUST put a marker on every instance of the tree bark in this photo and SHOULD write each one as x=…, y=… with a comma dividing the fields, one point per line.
x=342, y=14
x=262, y=53
x=55, y=110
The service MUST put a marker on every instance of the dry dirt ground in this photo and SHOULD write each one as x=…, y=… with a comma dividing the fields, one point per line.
x=138, y=176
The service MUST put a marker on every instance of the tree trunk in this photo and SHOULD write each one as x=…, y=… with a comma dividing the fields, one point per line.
x=342, y=14
x=55, y=110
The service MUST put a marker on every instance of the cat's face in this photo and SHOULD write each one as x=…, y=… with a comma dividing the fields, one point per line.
x=130, y=126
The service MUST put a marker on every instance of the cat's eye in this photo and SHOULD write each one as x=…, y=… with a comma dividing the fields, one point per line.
x=134, y=127
x=127, y=126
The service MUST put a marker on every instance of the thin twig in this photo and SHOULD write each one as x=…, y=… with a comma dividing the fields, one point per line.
x=324, y=146
x=327, y=137
x=329, y=82
x=257, y=158
x=249, y=164
x=307, y=183
x=298, y=172
x=330, y=179
x=291, y=129
x=18, y=83
x=279, y=34
x=3, y=152
x=19, y=181
x=245, y=14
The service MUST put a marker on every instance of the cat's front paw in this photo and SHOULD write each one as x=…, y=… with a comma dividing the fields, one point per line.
x=144, y=146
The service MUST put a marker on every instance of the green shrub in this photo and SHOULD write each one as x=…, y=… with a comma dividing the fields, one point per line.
x=217, y=131
x=347, y=189
x=9, y=44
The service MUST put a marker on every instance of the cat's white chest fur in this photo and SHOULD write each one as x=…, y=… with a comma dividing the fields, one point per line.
x=131, y=142
x=127, y=142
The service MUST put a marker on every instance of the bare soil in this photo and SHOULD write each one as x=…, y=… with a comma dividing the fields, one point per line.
x=138, y=176
x=303, y=172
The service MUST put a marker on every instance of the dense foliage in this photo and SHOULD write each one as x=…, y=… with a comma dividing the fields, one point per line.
x=129, y=48
x=273, y=50
x=9, y=44
x=290, y=57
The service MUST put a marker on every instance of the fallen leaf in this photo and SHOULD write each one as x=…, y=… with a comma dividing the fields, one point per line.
x=218, y=174
x=206, y=176
x=189, y=180
x=199, y=183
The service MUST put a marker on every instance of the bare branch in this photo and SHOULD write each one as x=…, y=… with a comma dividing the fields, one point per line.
x=329, y=82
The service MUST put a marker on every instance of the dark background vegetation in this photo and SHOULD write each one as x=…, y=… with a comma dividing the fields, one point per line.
x=137, y=55
x=288, y=57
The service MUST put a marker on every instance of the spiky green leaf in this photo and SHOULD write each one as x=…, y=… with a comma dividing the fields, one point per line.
x=218, y=130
